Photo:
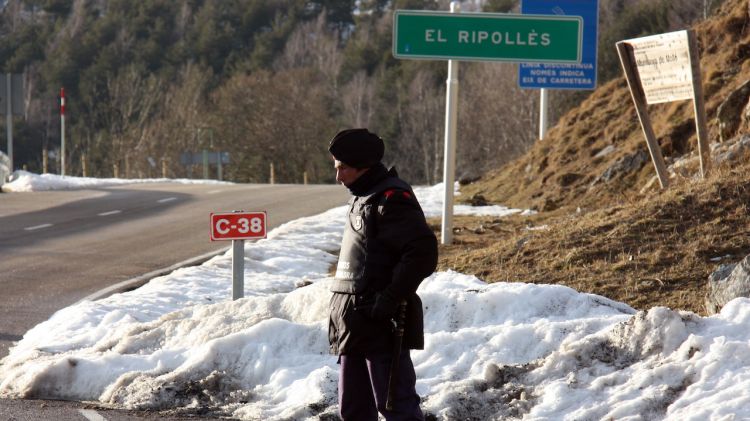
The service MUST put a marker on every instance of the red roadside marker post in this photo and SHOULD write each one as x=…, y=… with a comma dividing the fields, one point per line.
x=238, y=226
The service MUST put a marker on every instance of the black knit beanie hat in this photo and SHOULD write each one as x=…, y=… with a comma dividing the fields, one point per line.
x=357, y=148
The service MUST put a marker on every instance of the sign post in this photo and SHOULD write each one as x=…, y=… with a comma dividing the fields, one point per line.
x=699, y=107
x=664, y=68
x=205, y=158
x=238, y=226
x=543, y=108
x=9, y=119
x=639, y=100
x=62, y=131
x=11, y=102
x=449, y=154
x=419, y=34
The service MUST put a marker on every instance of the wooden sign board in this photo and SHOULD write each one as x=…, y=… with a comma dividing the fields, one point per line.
x=664, y=68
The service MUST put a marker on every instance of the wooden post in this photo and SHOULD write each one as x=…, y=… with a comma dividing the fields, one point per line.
x=639, y=99
x=163, y=168
x=83, y=165
x=272, y=175
x=219, y=169
x=116, y=170
x=304, y=178
x=45, y=160
x=699, y=108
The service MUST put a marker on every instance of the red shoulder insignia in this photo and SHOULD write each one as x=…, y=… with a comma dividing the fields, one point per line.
x=388, y=193
x=407, y=195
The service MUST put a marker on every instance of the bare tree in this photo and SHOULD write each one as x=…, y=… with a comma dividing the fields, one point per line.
x=133, y=99
x=357, y=100
x=280, y=118
x=497, y=120
x=183, y=115
x=314, y=45
x=419, y=150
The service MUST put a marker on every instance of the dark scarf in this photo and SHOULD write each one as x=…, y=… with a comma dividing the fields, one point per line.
x=362, y=185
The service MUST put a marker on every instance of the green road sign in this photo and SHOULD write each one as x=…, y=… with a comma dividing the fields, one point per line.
x=487, y=36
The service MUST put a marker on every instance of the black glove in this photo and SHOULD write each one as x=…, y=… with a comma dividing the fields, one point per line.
x=385, y=306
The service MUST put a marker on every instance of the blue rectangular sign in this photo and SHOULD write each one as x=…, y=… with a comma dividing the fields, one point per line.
x=564, y=76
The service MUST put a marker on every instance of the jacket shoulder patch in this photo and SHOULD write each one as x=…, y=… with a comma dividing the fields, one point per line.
x=396, y=195
x=396, y=198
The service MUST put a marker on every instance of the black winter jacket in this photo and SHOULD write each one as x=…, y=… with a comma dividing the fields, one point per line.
x=388, y=248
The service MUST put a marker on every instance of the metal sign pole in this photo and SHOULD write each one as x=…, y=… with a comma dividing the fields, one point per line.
x=62, y=131
x=9, y=119
x=449, y=167
x=238, y=269
x=543, y=107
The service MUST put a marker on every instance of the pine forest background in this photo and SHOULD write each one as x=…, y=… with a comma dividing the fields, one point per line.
x=270, y=82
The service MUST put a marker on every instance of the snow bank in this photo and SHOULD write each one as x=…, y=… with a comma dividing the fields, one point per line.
x=24, y=181
x=492, y=351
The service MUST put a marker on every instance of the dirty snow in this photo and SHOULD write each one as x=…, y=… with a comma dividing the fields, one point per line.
x=493, y=351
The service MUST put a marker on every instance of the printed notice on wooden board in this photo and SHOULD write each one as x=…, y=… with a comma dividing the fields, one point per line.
x=664, y=68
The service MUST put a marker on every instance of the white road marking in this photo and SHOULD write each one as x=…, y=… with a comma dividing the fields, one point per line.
x=91, y=415
x=166, y=199
x=114, y=212
x=215, y=191
x=37, y=227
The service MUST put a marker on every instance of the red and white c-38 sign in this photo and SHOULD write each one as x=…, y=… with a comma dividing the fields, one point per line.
x=238, y=226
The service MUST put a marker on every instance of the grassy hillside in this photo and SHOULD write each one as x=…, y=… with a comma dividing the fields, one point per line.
x=604, y=225
x=560, y=170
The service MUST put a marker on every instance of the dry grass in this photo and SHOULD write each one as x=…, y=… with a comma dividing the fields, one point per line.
x=656, y=251
x=610, y=236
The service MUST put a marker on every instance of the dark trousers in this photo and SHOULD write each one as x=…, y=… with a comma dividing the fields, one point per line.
x=363, y=388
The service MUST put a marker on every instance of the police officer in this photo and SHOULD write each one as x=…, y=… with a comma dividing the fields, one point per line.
x=386, y=251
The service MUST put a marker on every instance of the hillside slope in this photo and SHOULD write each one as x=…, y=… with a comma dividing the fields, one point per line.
x=604, y=225
x=597, y=154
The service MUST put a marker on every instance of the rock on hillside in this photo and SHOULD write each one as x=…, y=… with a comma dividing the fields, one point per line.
x=596, y=153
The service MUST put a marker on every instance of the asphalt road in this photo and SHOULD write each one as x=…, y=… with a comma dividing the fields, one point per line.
x=57, y=248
